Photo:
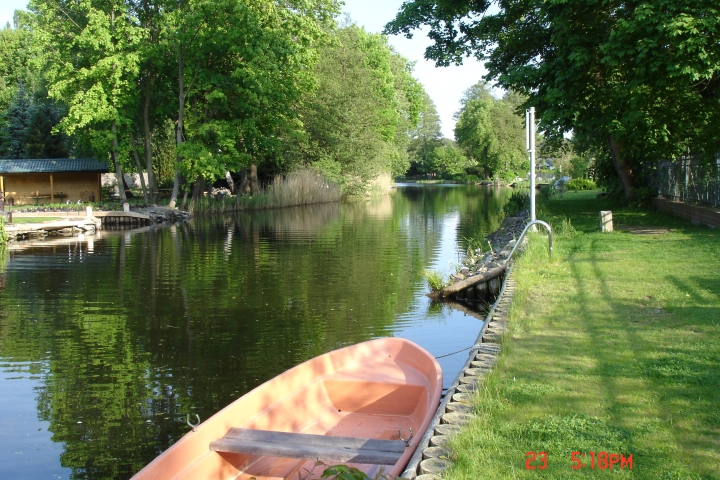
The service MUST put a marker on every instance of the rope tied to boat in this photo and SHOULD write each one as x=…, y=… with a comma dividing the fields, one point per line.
x=187, y=420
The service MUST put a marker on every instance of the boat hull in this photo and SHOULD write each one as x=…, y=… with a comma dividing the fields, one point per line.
x=372, y=390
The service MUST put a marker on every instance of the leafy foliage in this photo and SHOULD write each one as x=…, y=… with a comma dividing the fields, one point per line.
x=358, y=120
x=3, y=235
x=638, y=79
x=517, y=202
x=425, y=138
x=580, y=184
x=491, y=133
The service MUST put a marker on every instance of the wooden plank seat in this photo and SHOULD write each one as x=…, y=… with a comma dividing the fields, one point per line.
x=304, y=445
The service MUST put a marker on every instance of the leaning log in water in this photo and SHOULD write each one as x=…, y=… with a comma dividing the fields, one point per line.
x=468, y=282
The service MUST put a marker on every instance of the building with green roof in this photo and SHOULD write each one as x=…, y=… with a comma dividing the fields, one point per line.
x=38, y=181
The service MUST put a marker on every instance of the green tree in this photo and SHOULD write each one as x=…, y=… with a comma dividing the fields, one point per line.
x=639, y=77
x=16, y=121
x=359, y=118
x=425, y=138
x=243, y=68
x=91, y=55
x=449, y=161
x=491, y=133
x=15, y=54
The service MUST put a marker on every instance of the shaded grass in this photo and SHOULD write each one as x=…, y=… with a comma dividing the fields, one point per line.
x=614, y=346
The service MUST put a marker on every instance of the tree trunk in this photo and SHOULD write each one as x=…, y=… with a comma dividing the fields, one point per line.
x=152, y=181
x=244, y=188
x=254, y=187
x=623, y=168
x=198, y=188
x=118, y=170
x=230, y=182
x=179, y=127
x=139, y=167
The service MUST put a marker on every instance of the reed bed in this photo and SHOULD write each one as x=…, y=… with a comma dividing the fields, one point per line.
x=300, y=187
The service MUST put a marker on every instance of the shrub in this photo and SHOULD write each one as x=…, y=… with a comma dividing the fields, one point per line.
x=580, y=184
x=517, y=202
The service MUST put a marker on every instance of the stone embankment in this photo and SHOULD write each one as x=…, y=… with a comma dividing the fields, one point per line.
x=163, y=214
x=480, y=274
x=433, y=456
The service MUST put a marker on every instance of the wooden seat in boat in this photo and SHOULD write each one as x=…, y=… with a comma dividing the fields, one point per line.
x=305, y=445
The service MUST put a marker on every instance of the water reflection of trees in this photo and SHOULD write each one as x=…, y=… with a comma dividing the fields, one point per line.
x=149, y=327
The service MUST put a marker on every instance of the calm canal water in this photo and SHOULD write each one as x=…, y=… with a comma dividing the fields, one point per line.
x=106, y=345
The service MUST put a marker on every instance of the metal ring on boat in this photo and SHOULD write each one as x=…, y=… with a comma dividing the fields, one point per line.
x=407, y=441
x=187, y=420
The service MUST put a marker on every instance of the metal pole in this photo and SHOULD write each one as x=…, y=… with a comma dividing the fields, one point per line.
x=530, y=145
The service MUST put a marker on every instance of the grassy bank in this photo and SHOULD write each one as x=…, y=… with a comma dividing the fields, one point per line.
x=18, y=220
x=303, y=187
x=614, y=347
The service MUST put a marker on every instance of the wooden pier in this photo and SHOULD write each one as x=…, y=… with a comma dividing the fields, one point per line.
x=70, y=223
x=122, y=220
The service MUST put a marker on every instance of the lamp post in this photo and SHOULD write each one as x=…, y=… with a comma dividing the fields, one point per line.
x=530, y=145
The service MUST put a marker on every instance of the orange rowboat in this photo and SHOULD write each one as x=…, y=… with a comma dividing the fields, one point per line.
x=356, y=406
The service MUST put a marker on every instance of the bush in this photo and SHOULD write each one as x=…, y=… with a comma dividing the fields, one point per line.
x=580, y=184
x=517, y=202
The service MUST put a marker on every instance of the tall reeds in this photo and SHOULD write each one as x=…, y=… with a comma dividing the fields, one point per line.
x=300, y=187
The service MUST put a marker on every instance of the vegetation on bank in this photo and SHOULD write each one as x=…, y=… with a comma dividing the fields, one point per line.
x=635, y=82
x=198, y=103
x=3, y=235
x=580, y=184
x=301, y=187
x=614, y=347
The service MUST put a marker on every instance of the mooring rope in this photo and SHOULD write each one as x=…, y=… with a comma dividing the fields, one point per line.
x=453, y=353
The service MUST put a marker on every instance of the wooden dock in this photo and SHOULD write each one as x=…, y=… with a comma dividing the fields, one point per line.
x=27, y=230
x=75, y=222
x=123, y=219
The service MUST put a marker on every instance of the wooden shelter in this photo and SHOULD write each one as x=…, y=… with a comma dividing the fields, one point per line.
x=39, y=181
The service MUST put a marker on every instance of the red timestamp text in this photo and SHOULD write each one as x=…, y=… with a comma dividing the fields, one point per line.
x=536, y=460
x=600, y=460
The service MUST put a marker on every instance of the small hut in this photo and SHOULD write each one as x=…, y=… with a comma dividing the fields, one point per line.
x=40, y=181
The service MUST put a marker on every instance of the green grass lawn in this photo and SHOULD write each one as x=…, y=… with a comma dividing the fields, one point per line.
x=17, y=220
x=614, y=347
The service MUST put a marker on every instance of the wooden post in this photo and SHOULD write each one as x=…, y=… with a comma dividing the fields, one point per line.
x=2, y=183
x=606, y=222
x=52, y=190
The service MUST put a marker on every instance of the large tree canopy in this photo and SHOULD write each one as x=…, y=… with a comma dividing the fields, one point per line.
x=359, y=120
x=491, y=133
x=642, y=77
